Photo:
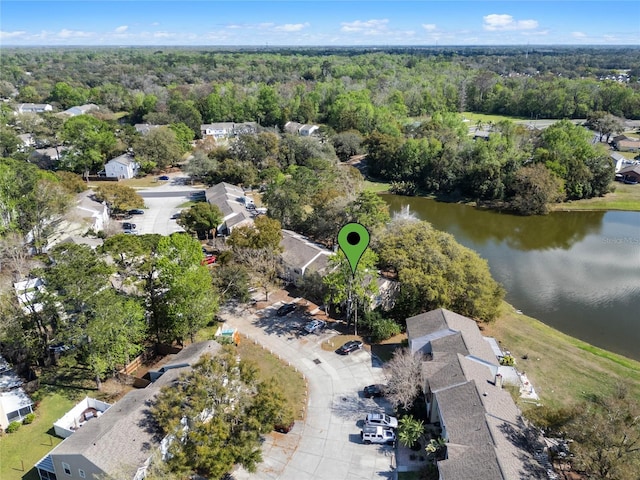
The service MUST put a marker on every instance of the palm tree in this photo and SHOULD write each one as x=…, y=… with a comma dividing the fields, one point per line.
x=410, y=430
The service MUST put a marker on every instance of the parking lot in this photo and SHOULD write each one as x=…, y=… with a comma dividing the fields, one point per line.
x=162, y=202
x=326, y=444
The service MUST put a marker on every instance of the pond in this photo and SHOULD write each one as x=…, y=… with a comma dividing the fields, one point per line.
x=578, y=272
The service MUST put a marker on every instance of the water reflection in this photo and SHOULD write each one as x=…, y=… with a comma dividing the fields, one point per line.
x=576, y=271
x=558, y=230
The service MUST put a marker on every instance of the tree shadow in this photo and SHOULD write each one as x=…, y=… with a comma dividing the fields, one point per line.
x=353, y=407
x=527, y=439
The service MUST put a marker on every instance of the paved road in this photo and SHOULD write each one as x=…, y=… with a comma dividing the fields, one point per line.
x=326, y=445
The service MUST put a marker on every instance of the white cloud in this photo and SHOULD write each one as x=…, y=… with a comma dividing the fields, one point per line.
x=155, y=24
x=65, y=33
x=578, y=35
x=369, y=27
x=122, y=29
x=502, y=22
x=18, y=33
x=163, y=34
x=429, y=27
x=291, y=27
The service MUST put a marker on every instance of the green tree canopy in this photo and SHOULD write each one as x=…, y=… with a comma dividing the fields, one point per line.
x=227, y=409
x=435, y=271
x=264, y=233
x=91, y=141
x=202, y=217
x=160, y=147
x=119, y=198
x=186, y=299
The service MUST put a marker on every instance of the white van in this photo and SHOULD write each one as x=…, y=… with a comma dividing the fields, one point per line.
x=381, y=419
x=371, y=434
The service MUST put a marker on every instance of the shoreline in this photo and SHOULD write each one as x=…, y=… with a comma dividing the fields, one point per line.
x=629, y=200
x=562, y=368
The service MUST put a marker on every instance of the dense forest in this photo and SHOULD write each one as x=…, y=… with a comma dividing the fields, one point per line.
x=222, y=84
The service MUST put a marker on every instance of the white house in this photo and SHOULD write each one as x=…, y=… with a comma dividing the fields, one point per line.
x=224, y=130
x=308, y=130
x=33, y=108
x=122, y=167
x=15, y=404
x=80, y=110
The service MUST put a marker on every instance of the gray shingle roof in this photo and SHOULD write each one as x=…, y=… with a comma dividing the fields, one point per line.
x=227, y=198
x=433, y=326
x=121, y=440
x=487, y=437
x=301, y=253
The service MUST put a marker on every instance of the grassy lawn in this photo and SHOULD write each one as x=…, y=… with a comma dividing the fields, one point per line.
x=377, y=187
x=625, y=197
x=486, y=118
x=562, y=369
x=32, y=442
x=293, y=384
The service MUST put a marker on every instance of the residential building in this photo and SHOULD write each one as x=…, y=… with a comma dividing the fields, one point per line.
x=623, y=143
x=224, y=130
x=630, y=174
x=33, y=108
x=230, y=199
x=144, y=128
x=483, y=428
x=80, y=110
x=308, y=130
x=122, y=167
x=118, y=443
x=15, y=404
x=26, y=291
x=27, y=140
x=300, y=256
x=301, y=129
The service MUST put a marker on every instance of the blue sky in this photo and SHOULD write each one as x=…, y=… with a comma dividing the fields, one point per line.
x=326, y=23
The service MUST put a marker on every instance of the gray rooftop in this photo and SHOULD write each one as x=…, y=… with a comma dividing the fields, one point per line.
x=300, y=253
x=122, y=439
x=227, y=198
x=433, y=326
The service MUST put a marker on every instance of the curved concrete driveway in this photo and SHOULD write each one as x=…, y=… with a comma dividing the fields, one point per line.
x=326, y=445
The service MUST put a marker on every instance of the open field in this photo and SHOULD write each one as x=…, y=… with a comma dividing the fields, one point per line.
x=486, y=118
x=625, y=197
x=562, y=369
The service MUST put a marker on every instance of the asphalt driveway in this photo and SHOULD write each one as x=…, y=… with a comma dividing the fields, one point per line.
x=162, y=202
x=326, y=445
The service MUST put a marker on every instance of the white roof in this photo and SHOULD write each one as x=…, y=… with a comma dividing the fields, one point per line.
x=14, y=400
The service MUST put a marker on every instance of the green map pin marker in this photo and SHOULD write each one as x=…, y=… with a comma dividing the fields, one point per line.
x=353, y=239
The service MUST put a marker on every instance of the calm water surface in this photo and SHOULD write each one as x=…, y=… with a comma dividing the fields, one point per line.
x=576, y=271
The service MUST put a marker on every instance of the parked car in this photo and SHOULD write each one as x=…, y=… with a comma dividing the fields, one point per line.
x=350, y=346
x=375, y=434
x=130, y=232
x=381, y=420
x=128, y=226
x=175, y=216
x=163, y=177
x=286, y=309
x=208, y=260
x=315, y=326
x=371, y=391
x=283, y=427
x=136, y=211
